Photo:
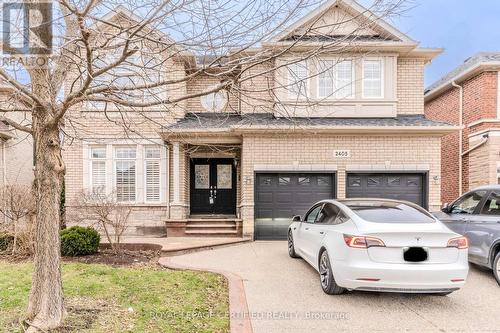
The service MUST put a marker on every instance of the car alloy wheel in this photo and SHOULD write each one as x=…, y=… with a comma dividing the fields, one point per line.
x=291, y=247
x=324, y=270
x=328, y=283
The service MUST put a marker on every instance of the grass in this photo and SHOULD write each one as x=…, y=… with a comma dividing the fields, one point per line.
x=100, y=298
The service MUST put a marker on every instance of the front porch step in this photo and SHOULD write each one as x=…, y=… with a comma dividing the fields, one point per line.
x=212, y=233
x=207, y=225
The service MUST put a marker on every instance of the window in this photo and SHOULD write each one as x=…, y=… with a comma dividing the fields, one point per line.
x=492, y=205
x=335, y=79
x=328, y=214
x=341, y=218
x=304, y=181
x=468, y=203
x=374, y=181
x=297, y=80
x=215, y=101
x=354, y=181
x=394, y=181
x=389, y=212
x=125, y=164
x=265, y=180
x=152, y=171
x=311, y=217
x=372, y=78
x=98, y=169
x=323, y=181
x=283, y=181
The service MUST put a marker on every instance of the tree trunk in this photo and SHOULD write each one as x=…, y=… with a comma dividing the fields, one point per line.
x=46, y=305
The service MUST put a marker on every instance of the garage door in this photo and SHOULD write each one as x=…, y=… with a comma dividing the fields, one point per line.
x=409, y=187
x=280, y=196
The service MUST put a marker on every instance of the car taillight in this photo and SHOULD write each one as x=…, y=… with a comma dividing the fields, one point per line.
x=362, y=242
x=459, y=242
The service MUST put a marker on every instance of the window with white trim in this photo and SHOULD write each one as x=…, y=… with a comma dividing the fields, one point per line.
x=98, y=169
x=297, y=79
x=125, y=166
x=335, y=79
x=152, y=159
x=372, y=78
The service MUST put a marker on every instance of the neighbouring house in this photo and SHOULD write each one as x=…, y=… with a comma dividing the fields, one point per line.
x=299, y=129
x=468, y=96
x=16, y=147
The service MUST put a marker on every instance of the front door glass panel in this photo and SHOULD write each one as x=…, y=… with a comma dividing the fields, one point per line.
x=224, y=176
x=201, y=176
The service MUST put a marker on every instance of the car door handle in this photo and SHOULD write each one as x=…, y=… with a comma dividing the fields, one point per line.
x=306, y=228
x=321, y=232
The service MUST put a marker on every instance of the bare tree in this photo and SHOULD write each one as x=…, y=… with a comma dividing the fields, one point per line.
x=110, y=216
x=122, y=66
x=17, y=204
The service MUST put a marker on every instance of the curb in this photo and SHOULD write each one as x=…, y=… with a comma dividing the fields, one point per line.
x=239, y=321
x=198, y=248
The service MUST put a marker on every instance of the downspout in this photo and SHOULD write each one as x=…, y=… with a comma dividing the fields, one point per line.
x=460, y=135
x=4, y=173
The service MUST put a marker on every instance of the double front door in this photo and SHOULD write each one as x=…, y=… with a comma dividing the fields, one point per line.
x=213, y=186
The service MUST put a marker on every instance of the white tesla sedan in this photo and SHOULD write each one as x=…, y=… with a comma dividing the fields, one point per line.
x=379, y=245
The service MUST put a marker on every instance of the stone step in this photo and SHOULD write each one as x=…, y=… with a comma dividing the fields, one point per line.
x=210, y=225
x=212, y=233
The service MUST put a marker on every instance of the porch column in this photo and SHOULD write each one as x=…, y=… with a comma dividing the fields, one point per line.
x=176, y=172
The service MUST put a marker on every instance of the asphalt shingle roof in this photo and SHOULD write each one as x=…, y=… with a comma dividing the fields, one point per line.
x=196, y=121
x=482, y=57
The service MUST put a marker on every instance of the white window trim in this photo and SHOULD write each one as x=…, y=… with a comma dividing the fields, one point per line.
x=140, y=163
x=161, y=177
x=382, y=78
x=335, y=96
x=91, y=168
x=136, y=159
x=289, y=84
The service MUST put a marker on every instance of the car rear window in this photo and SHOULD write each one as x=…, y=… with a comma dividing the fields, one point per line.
x=389, y=212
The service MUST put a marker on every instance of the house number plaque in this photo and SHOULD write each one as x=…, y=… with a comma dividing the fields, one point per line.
x=342, y=153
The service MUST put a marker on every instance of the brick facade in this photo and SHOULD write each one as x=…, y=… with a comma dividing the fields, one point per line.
x=479, y=103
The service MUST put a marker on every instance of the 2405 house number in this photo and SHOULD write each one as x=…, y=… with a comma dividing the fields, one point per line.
x=342, y=153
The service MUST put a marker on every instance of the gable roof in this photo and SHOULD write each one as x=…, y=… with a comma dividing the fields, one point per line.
x=471, y=66
x=351, y=5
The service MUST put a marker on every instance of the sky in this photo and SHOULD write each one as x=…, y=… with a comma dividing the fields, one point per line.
x=461, y=27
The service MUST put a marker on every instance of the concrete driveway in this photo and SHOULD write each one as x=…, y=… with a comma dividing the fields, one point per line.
x=284, y=295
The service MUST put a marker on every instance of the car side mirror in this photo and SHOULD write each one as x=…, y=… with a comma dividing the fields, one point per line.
x=296, y=218
x=445, y=208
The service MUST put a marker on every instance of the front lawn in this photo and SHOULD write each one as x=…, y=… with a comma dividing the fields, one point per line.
x=100, y=298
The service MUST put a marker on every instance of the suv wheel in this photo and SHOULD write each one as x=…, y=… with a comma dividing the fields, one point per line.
x=496, y=267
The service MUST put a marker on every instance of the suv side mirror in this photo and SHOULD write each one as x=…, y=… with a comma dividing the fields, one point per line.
x=446, y=208
x=296, y=218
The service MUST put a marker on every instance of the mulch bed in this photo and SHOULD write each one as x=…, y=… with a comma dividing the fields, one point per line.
x=124, y=258
x=105, y=256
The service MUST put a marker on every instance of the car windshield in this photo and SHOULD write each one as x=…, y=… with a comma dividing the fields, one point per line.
x=388, y=212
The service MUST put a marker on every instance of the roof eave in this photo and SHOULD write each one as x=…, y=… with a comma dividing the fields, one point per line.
x=461, y=77
x=234, y=130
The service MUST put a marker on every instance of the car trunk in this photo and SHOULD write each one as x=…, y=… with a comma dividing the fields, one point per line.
x=423, y=243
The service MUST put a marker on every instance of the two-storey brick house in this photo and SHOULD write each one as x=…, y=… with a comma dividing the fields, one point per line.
x=468, y=96
x=299, y=129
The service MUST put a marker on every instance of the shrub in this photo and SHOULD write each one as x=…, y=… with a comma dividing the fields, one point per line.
x=79, y=241
x=6, y=242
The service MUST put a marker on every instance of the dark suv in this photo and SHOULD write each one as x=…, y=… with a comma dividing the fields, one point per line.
x=476, y=215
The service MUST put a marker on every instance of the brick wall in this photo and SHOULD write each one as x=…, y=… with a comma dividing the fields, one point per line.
x=410, y=86
x=480, y=102
x=367, y=152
